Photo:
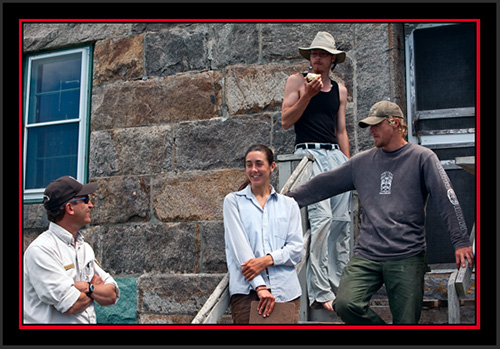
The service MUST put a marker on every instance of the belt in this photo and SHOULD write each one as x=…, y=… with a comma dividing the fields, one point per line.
x=327, y=146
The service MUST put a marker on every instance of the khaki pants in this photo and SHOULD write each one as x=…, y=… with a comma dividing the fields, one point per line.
x=331, y=243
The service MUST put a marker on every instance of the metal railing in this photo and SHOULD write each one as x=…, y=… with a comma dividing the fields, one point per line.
x=460, y=281
x=458, y=284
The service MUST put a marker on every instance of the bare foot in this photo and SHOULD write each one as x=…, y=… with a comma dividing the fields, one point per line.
x=328, y=305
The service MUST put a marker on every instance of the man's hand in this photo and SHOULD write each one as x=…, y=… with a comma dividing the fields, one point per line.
x=83, y=301
x=104, y=294
x=312, y=88
x=461, y=254
x=298, y=93
x=83, y=286
x=97, y=280
x=266, y=301
x=255, y=266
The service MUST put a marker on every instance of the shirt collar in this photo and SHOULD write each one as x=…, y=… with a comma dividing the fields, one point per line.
x=394, y=151
x=63, y=234
x=247, y=191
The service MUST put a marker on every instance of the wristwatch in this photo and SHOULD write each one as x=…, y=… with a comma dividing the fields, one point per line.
x=91, y=289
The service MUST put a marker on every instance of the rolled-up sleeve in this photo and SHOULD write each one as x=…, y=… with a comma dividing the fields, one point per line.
x=107, y=279
x=50, y=280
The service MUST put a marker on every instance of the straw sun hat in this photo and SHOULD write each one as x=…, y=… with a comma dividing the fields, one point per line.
x=323, y=41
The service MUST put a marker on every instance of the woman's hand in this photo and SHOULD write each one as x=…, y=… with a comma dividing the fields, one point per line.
x=255, y=266
x=266, y=301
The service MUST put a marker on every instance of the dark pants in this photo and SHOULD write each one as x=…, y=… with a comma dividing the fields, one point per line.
x=240, y=307
x=361, y=278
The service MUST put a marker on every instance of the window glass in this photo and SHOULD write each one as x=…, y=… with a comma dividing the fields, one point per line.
x=52, y=152
x=55, y=88
x=56, y=118
x=445, y=67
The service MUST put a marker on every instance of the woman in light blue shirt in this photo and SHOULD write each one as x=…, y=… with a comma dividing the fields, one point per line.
x=263, y=238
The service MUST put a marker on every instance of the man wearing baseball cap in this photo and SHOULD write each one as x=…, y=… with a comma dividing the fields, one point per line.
x=394, y=180
x=316, y=106
x=62, y=278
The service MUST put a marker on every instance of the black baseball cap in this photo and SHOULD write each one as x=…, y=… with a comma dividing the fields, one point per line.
x=63, y=189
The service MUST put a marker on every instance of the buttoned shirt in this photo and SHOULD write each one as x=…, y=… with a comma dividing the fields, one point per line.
x=251, y=231
x=52, y=264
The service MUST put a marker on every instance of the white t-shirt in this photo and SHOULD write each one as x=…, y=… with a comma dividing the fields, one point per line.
x=52, y=264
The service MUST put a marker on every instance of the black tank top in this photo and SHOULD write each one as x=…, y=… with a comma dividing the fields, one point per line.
x=318, y=124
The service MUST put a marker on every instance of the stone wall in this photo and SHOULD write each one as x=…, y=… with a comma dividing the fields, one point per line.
x=174, y=107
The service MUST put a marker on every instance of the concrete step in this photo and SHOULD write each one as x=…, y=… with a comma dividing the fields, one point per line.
x=434, y=311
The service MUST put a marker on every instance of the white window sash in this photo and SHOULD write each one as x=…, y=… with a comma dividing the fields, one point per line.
x=36, y=195
x=411, y=96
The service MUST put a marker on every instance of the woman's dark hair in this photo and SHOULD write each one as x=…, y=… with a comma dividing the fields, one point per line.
x=261, y=148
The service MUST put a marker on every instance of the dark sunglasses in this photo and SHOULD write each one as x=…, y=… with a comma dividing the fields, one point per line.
x=85, y=199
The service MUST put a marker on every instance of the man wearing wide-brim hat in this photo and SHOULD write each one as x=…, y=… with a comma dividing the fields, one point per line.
x=316, y=106
x=323, y=41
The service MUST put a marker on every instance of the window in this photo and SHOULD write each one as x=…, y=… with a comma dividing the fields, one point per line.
x=441, y=76
x=56, y=108
x=441, y=87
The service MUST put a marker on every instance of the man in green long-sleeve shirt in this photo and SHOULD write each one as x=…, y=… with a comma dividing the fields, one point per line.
x=393, y=181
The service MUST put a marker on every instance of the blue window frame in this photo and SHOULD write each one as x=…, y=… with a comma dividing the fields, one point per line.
x=56, y=118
